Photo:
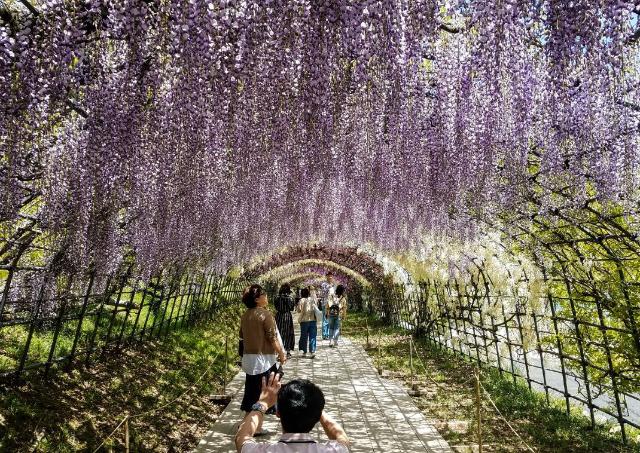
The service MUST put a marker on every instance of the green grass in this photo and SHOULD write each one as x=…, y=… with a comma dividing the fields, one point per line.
x=75, y=411
x=447, y=383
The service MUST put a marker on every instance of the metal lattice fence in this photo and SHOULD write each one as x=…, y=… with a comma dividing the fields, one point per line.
x=567, y=347
x=63, y=320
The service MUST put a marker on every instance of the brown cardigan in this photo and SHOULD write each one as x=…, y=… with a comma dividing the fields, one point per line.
x=258, y=331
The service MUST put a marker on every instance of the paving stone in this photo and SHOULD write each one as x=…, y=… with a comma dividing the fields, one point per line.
x=377, y=413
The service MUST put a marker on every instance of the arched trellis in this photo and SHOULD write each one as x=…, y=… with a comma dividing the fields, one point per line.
x=353, y=258
x=366, y=272
x=576, y=335
x=315, y=267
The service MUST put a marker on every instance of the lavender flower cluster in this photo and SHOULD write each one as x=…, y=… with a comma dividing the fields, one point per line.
x=212, y=131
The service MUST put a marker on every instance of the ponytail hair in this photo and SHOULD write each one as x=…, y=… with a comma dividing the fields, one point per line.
x=251, y=294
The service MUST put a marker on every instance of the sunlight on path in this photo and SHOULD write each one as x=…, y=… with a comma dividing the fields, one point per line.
x=377, y=414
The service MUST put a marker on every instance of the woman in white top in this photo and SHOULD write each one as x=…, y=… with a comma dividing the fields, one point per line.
x=308, y=324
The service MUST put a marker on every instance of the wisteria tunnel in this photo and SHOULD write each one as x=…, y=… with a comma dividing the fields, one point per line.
x=467, y=169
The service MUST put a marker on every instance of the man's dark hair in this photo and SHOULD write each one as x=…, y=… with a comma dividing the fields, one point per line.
x=339, y=290
x=285, y=289
x=300, y=403
x=305, y=292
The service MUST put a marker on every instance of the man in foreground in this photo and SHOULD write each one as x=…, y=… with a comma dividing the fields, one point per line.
x=300, y=407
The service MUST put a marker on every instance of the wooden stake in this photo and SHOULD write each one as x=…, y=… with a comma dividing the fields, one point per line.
x=379, y=356
x=478, y=410
x=411, y=361
x=368, y=344
x=126, y=435
x=226, y=365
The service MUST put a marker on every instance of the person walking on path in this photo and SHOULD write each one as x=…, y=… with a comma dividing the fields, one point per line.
x=284, y=305
x=336, y=312
x=308, y=324
x=300, y=406
x=261, y=346
x=328, y=293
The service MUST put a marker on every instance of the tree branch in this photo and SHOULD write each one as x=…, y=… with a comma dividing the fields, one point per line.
x=449, y=28
x=30, y=7
x=76, y=108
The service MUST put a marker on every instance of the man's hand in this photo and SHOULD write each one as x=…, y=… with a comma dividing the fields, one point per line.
x=253, y=419
x=333, y=430
x=270, y=388
x=282, y=357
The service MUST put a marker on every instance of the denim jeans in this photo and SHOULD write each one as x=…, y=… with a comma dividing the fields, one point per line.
x=325, y=325
x=308, y=330
x=334, y=328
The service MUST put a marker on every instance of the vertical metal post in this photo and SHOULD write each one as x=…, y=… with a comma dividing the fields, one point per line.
x=181, y=291
x=178, y=277
x=612, y=370
x=112, y=319
x=7, y=286
x=34, y=320
x=85, y=303
x=509, y=344
x=440, y=330
x=484, y=330
x=135, y=323
x=127, y=312
x=541, y=354
x=524, y=351
x=187, y=292
x=155, y=317
x=56, y=332
x=202, y=291
x=96, y=324
x=561, y=355
x=580, y=342
x=465, y=332
x=496, y=343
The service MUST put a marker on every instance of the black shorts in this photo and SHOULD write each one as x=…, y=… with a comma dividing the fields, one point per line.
x=252, y=387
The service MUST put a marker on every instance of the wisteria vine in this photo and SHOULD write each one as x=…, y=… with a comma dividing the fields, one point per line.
x=216, y=130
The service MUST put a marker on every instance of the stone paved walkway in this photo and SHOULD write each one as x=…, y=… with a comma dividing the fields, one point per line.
x=377, y=414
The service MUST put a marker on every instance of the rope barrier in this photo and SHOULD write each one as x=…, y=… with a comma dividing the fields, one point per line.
x=503, y=418
x=128, y=417
x=478, y=383
x=112, y=433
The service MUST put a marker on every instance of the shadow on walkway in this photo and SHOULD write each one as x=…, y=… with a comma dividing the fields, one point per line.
x=377, y=414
